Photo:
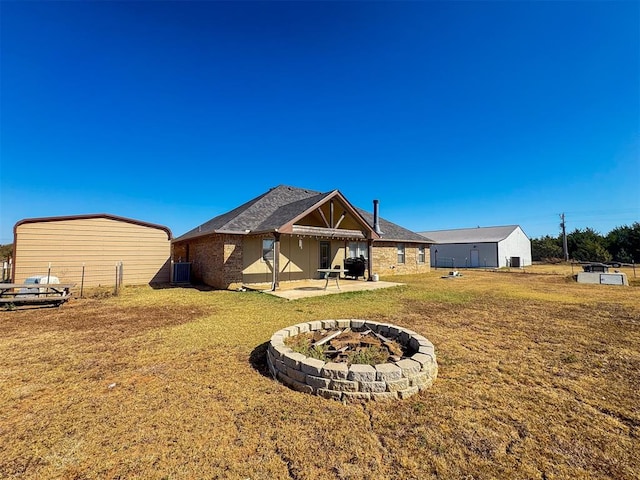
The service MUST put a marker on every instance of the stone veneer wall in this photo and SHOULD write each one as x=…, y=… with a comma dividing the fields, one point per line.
x=339, y=381
x=385, y=259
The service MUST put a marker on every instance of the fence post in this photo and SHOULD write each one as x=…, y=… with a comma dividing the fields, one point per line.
x=116, y=292
x=82, y=281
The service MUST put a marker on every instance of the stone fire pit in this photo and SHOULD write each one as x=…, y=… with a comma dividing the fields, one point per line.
x=415, y=371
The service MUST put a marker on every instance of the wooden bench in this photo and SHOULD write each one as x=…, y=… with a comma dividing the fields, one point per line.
x=41, y=294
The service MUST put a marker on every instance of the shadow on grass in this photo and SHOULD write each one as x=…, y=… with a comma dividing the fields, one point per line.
x=198, y=286
x=258, y=359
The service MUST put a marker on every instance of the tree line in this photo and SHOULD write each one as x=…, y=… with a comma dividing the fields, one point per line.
x=622, y=244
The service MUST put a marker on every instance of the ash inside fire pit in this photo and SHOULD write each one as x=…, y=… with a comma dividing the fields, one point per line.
x=348, y=346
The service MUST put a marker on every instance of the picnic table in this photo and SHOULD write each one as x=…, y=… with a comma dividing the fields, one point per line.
x=38, y=294
x=330, y=273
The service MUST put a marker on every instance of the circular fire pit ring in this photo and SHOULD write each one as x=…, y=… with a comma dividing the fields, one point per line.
x=415, y=371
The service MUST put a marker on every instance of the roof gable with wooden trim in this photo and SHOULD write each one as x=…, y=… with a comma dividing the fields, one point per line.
x=291, y=210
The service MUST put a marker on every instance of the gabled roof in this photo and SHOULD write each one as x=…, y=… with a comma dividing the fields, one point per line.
x=266, y=212
x=91, y=216
x=280, y=207
x=471, y=235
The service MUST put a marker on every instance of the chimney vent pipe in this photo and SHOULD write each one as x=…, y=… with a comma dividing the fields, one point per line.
x=376, y=219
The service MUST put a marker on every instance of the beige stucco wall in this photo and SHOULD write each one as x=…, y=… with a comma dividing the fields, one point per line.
x=385, y=259
x=296, y=263
x=96, y=243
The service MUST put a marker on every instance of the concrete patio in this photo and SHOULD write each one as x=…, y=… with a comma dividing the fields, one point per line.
x=315, y=288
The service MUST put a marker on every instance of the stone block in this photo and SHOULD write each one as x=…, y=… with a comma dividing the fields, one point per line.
x=422, y=359
x=409, y=367
x=302, y=327
x=280, y=366
x=297, y=375
x=420, y=379
x=388, y=371
x=393, y=332
x=293, y=331
x=376, y=387
x=280, y=351
x=315, y=325
x=355, y=324
x=384, y=396
x=426, y=385
x=427, y=350
x=293, y=360
x=356, y=396
x=318, y=382
x=312, y=366
x=361, y=373
x=284, y=333
x=344, y=386
x=328, y=324
x=372, y=325
x=406, y=393
x=397, y=385
x=342, y=323
x=330, y=394
x=335, y=370
x=294, y=384
x=277, y=339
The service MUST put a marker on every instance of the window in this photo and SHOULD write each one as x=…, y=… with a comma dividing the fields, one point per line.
x=267, y=249
x=401, y=253
x=358, y=248
x=421, y=256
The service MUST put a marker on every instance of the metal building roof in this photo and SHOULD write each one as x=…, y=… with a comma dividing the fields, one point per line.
x=471, y=235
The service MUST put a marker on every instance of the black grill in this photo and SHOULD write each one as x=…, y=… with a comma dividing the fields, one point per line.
x=355, y=267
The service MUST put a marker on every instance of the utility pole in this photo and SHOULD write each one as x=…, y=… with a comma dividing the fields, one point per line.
x=565, y=249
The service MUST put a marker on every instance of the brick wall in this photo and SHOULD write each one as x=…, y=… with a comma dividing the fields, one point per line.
x=216, y=260
x=232, y=267
x=385, y=259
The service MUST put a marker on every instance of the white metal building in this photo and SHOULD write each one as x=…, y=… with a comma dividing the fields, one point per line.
x=482, y=247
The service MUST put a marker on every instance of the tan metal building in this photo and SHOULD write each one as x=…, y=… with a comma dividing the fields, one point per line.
x=92, y=249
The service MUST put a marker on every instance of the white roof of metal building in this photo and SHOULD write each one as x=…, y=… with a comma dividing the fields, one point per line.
x=471, y=235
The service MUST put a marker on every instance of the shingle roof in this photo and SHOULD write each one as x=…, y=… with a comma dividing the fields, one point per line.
x=471, y=235
x=265, y=212
x=393, y=232
x=280, y=205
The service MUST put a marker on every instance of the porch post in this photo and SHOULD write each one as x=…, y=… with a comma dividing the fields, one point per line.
x=370, y=253
x=276, y=262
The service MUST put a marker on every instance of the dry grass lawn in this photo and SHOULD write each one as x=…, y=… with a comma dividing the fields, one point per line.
x=539, y=378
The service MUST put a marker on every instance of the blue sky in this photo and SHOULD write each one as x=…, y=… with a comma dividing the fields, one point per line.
x=452, y=114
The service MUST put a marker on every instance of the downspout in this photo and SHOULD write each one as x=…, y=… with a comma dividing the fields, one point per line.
x=370, y=254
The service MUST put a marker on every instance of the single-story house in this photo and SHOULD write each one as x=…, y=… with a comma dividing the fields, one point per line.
x=486, y=247
x=90, y=249
x=288, y=233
